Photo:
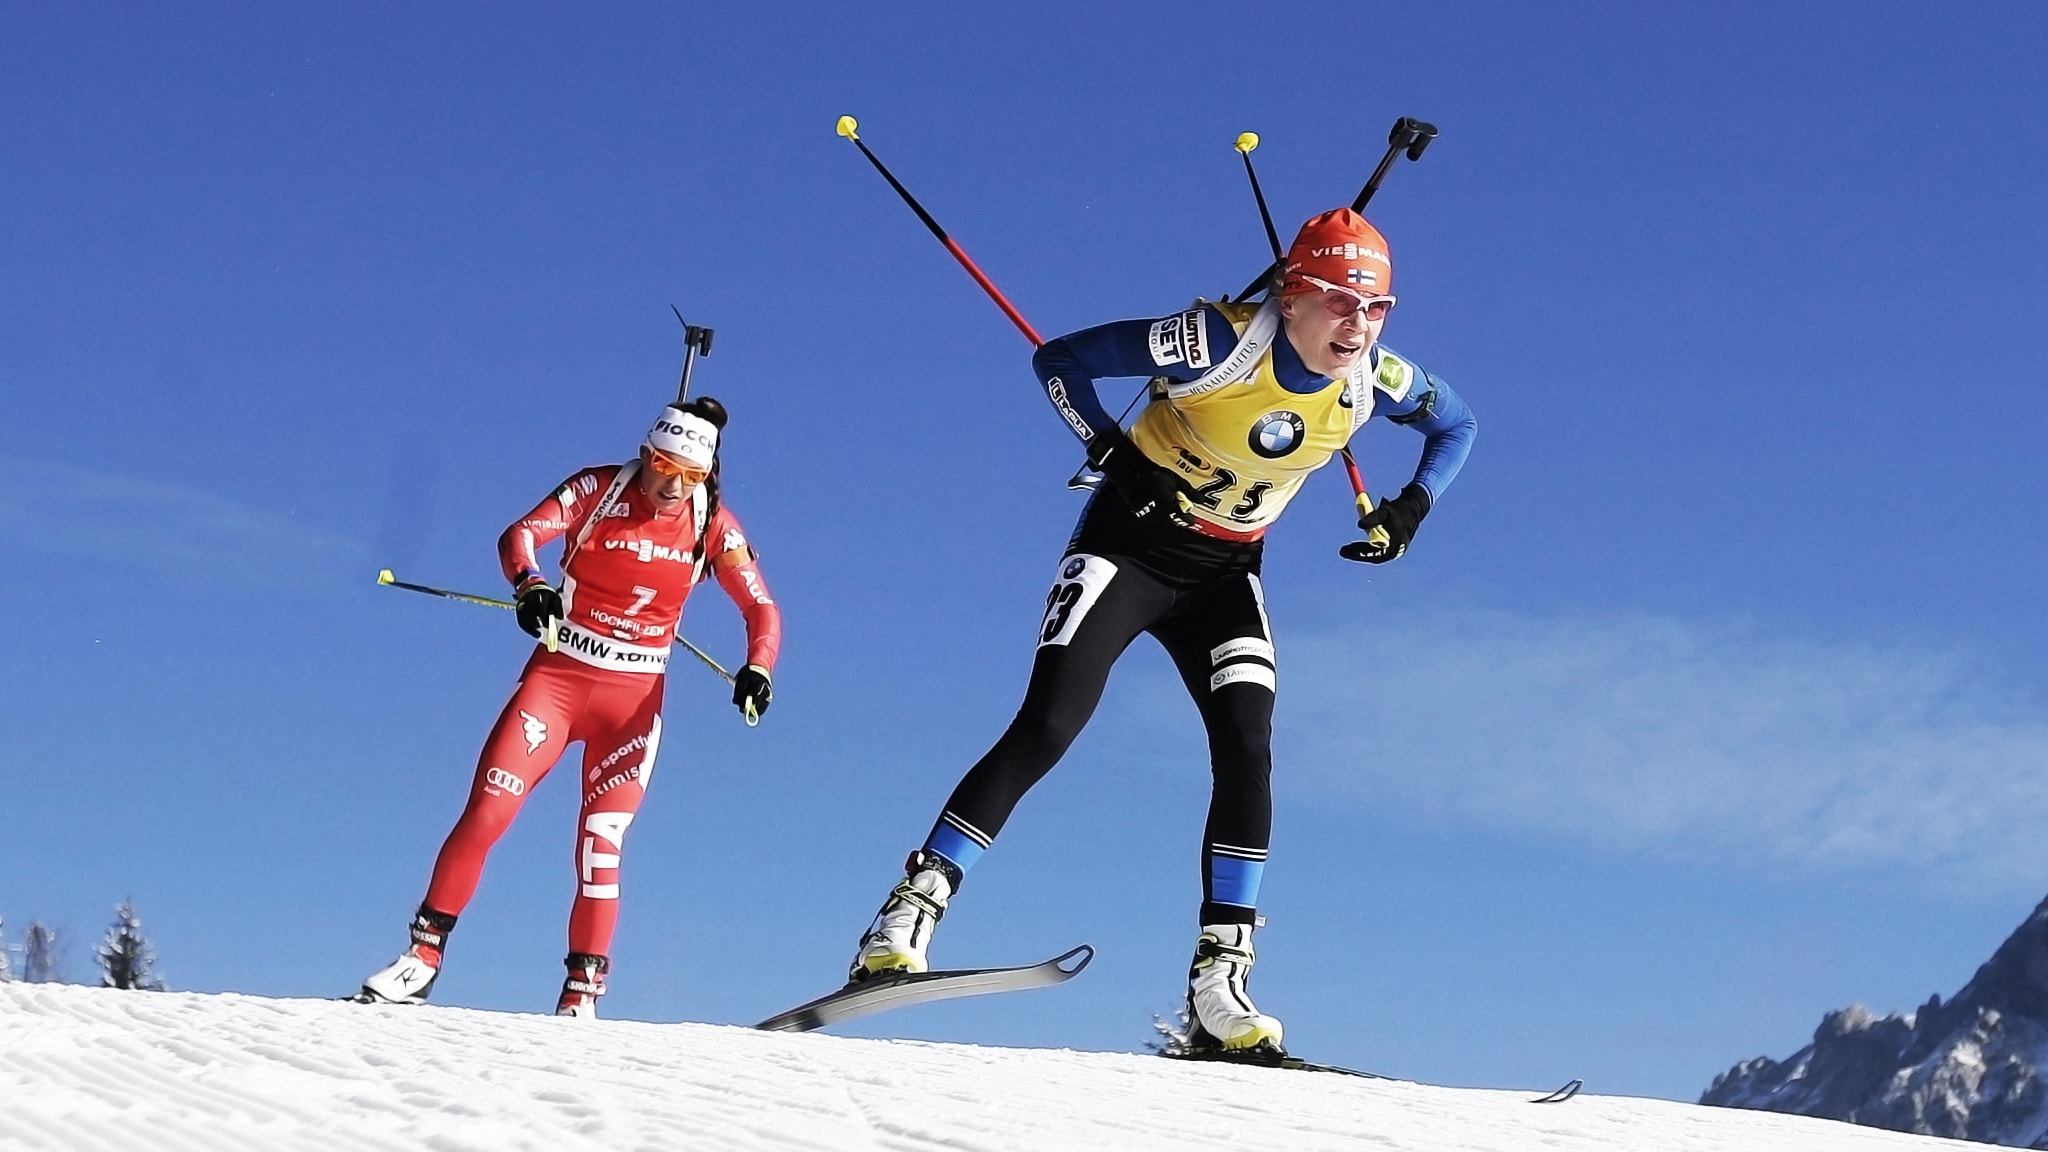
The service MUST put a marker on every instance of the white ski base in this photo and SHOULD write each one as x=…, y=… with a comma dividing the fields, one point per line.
x=94, y=1070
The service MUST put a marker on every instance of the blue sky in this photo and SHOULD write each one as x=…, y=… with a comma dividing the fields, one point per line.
x=1710, y=698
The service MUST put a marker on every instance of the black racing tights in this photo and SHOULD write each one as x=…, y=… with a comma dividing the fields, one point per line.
x=1216, y=632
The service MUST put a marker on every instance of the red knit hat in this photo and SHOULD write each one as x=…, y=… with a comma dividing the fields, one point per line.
x=1339, y=247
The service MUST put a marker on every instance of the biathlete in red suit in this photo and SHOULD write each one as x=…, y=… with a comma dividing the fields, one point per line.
x=636, y=538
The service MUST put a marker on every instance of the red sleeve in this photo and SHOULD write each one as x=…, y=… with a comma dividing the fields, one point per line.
x=733, y=560
x=564, y=511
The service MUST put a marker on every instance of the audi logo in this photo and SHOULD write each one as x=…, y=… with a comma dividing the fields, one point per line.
x=499, y=778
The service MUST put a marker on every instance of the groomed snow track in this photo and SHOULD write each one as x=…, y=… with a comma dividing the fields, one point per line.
x=92, y=1070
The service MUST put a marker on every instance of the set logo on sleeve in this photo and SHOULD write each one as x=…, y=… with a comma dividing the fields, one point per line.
x=1182, y=339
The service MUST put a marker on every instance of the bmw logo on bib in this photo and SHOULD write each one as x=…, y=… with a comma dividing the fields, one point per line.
x=1277, y=433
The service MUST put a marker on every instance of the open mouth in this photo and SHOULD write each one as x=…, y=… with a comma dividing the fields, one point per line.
x=1344, y=351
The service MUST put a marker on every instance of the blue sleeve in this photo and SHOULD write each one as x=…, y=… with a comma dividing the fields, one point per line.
x=1448, y=428
x=1182, y=347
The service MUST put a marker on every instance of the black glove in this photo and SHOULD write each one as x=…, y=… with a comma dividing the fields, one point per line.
x=538, y=604
x=1399, y=518
x=751, y=692
x=1145, y=486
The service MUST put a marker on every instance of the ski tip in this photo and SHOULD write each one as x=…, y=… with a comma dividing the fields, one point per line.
x=1563, y=1094
x=384, y=576
x=848, y=127
x=1247, y=142
x=1085, y=952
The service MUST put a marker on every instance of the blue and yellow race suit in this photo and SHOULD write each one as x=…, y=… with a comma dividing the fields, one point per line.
x=1243, y=422
x=1238, y=415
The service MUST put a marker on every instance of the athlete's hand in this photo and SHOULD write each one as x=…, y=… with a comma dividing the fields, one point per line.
x=1143, y=485
x=751, y=692
x=538, y=604
x=1398, y=518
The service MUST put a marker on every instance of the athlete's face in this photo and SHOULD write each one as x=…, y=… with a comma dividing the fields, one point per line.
x=667, y=491
x=1329, y=344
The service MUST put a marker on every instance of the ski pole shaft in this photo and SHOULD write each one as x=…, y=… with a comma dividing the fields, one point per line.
x=700, y=654
x=1376, y=535
x=1247, y=143
x=850, y=128
x=552, y=637
x=384, y=577
x=747, y=710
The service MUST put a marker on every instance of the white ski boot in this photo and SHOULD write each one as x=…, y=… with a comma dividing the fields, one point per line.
x=408, y=979
x=902, y=930
x=583, y=986
x=1220, y=1010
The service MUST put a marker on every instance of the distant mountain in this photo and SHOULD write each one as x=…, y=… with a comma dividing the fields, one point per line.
x=1970, y=1069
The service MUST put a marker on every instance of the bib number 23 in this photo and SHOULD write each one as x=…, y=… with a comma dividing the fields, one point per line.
x=1081, y=581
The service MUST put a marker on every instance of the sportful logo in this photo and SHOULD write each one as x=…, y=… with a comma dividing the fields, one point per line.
x=499, y=778
x=536, y=731
x=618, y=754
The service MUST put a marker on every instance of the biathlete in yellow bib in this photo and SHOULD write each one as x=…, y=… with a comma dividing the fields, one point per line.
x=1247, y=401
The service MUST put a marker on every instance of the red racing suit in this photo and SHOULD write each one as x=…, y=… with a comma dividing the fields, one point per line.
x=626, y=571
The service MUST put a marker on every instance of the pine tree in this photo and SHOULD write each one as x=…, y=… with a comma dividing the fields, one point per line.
x=126, y=959
x=41, y=962
x=6, y=969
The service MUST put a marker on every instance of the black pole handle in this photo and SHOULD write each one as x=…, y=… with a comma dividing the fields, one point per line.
x=696, y=342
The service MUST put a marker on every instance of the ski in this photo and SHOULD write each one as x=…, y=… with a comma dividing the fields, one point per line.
x=884, y=993
x=1266, y=1058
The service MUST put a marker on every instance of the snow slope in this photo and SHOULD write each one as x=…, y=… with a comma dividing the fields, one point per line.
x=85, y=1069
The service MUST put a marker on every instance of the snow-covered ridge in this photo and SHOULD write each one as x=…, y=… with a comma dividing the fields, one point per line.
x=1974, y=1068
x=84, y=1069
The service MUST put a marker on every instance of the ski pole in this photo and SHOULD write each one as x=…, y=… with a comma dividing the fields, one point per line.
x=850, y=128
x=384, y=577
x=1247, y=143
x=552, y=638
x=1408, y=135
